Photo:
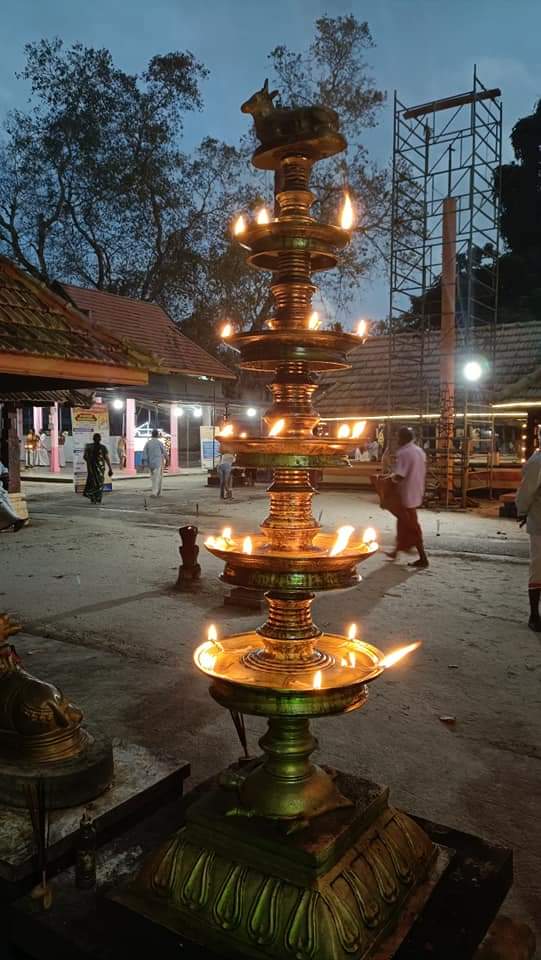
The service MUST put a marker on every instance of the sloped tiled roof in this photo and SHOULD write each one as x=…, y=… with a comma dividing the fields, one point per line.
x=36, y=322
x=375, y=379
x=150, y=328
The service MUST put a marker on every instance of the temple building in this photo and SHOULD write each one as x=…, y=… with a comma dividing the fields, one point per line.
x=51, y=354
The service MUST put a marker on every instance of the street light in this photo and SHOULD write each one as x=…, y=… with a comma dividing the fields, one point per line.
x=473, y=371
x=251, y=412
x=178, y=411
x=118, y=404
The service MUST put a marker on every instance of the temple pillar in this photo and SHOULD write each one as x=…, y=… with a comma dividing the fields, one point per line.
x=130, y=436
x=54, y=463
x=173, y=461
x=10, y=453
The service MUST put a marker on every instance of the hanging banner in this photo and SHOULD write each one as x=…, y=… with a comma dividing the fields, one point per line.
x=85, y=422
x=210, y=448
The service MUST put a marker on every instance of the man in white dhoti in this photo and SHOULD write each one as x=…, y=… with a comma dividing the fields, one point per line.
x=43, y=453
x=528, y=501
x=155, y=457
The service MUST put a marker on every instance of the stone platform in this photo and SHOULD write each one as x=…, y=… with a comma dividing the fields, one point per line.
x=142, y=782
x=447, y=920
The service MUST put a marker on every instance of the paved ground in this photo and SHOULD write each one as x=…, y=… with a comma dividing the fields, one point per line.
x=93, y=586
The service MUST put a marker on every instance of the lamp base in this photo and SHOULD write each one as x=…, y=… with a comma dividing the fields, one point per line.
x=248, y=887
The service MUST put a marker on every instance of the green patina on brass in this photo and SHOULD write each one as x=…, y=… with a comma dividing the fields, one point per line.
x=286, y=858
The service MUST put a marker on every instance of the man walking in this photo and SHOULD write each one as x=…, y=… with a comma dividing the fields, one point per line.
x=528, y=501
x=409, y=475
x=155, y=457
x=225, y=473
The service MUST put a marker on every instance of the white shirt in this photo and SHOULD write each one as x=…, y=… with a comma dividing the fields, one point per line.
x=154, y=453
x=411, y=465
x=528, y=498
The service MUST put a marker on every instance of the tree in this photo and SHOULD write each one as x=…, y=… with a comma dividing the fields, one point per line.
x=333, y=71
x=520, y=189
x=96, y=190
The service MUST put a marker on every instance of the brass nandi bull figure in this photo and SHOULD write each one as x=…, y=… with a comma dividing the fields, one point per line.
x=276, y=124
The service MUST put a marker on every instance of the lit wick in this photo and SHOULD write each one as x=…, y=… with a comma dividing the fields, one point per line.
x=239, y=226
x=316, y=683
x=358, y=428
x=277, y=428
x=262, y=216
x=369, y=535
x=343, y=432
x=226, y=331
x=226, y=431
x=313, y=321
x=391, y=658
x=346, y=217
x=247, y=545
x=352, y=632
x=342, y=539
x=226, y=534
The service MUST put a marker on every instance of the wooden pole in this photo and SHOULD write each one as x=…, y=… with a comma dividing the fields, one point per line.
x=447, y=349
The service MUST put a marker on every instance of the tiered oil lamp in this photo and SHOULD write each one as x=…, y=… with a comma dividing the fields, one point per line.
x=287, y=858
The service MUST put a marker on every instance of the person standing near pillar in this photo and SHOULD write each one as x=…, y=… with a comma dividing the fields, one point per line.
x=155, y=458
x=528, y=501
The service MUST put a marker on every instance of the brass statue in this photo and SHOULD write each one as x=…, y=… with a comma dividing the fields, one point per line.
x=274, y=124
x=42, y=737
x=37, y=722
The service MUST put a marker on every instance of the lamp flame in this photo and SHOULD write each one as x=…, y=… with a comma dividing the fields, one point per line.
x=239, y=226
x=277, y=428
x=362, y=327
x=342, y=539
x=226, y=534
x=358, y=428
x=343, y=431
x=226, y=431
x=316, y=682
x=263, y=215
x=352, y=632
x=396, y=655
x=346, y=216
x=247, y=545
x=243, y=435
x=212, y=633
x=369, y=535
x=314, y=321
x=226, y=331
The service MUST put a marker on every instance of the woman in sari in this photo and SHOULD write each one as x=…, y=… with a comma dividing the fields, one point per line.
x=96, y=456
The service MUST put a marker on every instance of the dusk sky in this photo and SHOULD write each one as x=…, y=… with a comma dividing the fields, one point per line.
x=424, y=48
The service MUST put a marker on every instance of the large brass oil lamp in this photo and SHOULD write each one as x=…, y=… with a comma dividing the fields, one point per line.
x=287, y=858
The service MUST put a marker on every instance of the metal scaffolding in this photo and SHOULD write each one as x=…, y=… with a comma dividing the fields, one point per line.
x=445, y=149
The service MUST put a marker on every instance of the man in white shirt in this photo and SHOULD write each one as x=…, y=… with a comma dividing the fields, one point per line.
x=409, y=474
x=155, y=458
x=528, y=501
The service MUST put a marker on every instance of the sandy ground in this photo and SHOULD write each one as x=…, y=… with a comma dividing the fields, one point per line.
x=93, y=586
